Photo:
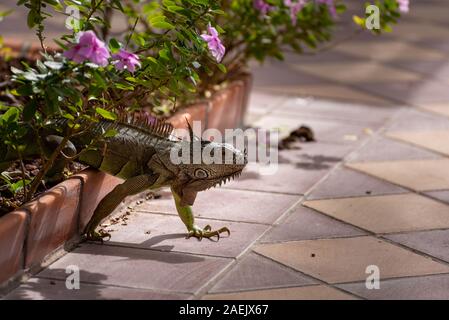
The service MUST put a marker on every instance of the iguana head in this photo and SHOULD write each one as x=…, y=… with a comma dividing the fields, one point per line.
x=218, y=163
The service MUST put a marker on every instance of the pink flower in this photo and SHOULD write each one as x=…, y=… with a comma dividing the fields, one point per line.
x=262, y=6
x=331, y=5
x=125, y=60
x=89, y=47
x=214, y=43
x=403, y=5
x=295, y=7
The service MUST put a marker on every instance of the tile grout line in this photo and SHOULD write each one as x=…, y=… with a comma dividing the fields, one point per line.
x=398, y=278
x=356, y=149
x=318, y=280
x=378, y=132
x=205, y=218
x=155, y=290
x=213, y=281
x=203, y=291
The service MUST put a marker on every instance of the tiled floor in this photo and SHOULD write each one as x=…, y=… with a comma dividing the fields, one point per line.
x=372, y=191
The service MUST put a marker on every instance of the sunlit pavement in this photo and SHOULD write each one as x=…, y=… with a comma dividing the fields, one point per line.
x=370, y=197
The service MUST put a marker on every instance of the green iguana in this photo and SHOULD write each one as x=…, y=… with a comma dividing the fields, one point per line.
x=140, y=153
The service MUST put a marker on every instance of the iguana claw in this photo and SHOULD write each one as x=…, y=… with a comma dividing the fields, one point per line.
x=98, y=236
x=206, y=232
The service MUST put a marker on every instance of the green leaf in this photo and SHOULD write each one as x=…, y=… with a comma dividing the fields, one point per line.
x=114, y=45
x=110, y=133
x=106, y=114
x=162, y=25
x=11, y=115
x=164, y=54
x=17, y=186
x=29, y=110
x=31, y=18
x=222, y=68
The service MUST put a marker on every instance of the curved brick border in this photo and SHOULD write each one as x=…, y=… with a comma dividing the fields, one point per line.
x=31, y=234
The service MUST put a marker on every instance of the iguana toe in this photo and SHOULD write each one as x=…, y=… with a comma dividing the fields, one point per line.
x=98, y=236
x=207, y=232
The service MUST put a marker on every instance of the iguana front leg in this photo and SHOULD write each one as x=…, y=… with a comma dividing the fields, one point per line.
x=186, y=215
x=112, y=200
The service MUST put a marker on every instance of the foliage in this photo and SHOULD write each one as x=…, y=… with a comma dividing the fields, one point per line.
x=164, y=35
x=169, y=52
x=261, y=29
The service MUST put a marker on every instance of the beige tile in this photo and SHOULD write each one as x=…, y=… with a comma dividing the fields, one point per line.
x=358, y=72
x=432, y=140
x=319, y=292
x=346, y=259
x=419, y=175
x=391, y=50
x=327, y=91
x=389, y=213
x=441, y=108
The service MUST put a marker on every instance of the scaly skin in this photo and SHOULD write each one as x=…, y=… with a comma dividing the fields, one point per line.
x=140, y=154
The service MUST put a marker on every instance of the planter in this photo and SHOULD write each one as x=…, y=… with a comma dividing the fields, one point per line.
x=32, y=234
x=53, y=220
x=226, y=108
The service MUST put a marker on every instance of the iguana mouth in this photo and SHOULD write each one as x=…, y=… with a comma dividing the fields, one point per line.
x=224, y=180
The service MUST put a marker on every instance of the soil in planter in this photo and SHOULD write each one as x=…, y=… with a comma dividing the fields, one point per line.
x=10, y=199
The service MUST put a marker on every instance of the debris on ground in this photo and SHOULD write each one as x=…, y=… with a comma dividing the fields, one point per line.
x=302, y=134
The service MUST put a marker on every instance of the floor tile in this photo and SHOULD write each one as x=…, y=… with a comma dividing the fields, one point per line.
x=433, y=43
x=440, y=108
x=436, y=141
x=386, y=214
x=419, y=31
x=168, y=233
x=306, y=224
x=326, y=130
x=418, y=120
x=319, y=292
x=416, y=288
x=256, y=272
x=344, y=111
x=264, y=101
x=297, y=171
x=412, y=93
x=45, y=289
x=434, y=243
x=326, y=91
x=358, y=72
x=442, y=195
x=226, y=204
x=419, y=175
x=343, y=182
x=275, y=73
x=288, y=178
x=430, y=13
x=391, y=50
x=346, y=259
x=437, y=70
x=136, y=268
x=380, y=148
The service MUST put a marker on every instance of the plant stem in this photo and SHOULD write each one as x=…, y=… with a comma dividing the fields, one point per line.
x=132, y=32
x=38, y=178
x=93, y=10
x=22, y=168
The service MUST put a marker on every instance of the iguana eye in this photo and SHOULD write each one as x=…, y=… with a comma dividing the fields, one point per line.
x=201, y=174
